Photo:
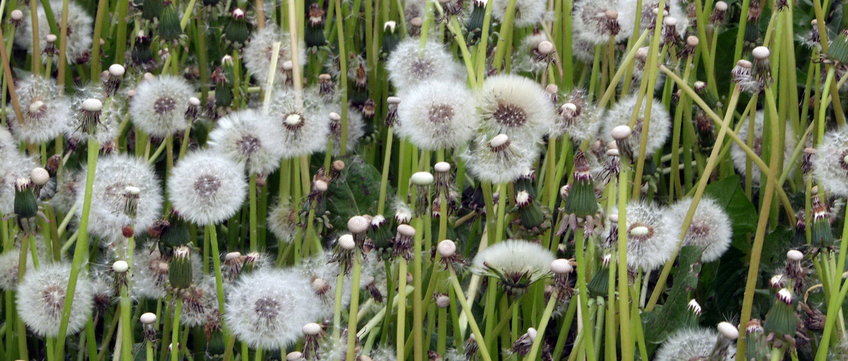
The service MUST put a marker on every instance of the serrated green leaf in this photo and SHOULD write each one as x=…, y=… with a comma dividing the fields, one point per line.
x=356, y=192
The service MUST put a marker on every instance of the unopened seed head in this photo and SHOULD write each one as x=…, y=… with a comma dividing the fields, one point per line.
x=194, y=101
x=357, y=224
x=51, y=38
x=621, y=132
x=761, y=53
x=393, y=100
x=532, y=333
x=294, y=356
x=545, y=47
x=238, y=13
x=389, y=26
x=612, y=152
x=293, y=119
x=639, y=231
x=346, y=242
x=151, y=77
x=611, y=14
x=311, y=329
x=721, y=6
x=416, y=21
x=132, y=190
x=335, y=116
x=442, y=167
x=288, y=65
x=728, y=330
x=35, y=106
x=92, y=105
x=117, y=70
x=421, y=178
x=39, y=176
x=232, y=256
x=551, y=88
x=447, y=248
x=561, y=266
x=147, y=318
x=406, y=230
x=120, y=266
x=442, y=301
x=794, y=255
x=17, y=15
x=569, y=106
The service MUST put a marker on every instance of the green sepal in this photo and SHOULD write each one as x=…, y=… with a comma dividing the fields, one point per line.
x=151, y=9
x=169, y=24
x=599, y=285
x=781, y=319
x=581, y=200
x=179, y=271
x=176, y=234
x=25, y=204
x=821, y=233
x=237, y=31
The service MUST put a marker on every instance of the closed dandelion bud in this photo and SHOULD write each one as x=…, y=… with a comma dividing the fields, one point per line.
x=758, y=344
x=237, y=30
x=295, y=356
x=169, y=22
x=151, y=9
x=669, y=30
x=379, y=231
x=621, y=134
x=403, y=214
x=447, y=249
x=422, y=182
x=599, y=285
x=814, y=38
x=26, y=205
x=822, y=234
x=781, y=318
x=112, y=81
x=193, y=109
x=90, y=115
x=692, y=42
x=314, y=32
x=358, y=226
x=311, y=332
x=562, y=269
x=179, y=274
x=807, y=160
x=390, y=37
x=223, y=88
x=530, y=214
x=581, y=200
x=794, y=270
x=176, y=234
x=694, y=313
x=443, y=178
x=442, y=300
x=474, y=22
x=231, y=268
x=471, y=348
x=252, y=262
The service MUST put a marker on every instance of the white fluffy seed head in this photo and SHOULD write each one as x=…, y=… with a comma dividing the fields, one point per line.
x=206, y=188
x=311, y=329
x=92, y=105
x=120, y=266
x=39, y=176
x=442, y=167
x=421, y=178
x=116, y=70
x=620, y=132
x=447, y=248
x=794, y=255
x=727, y=330
x=514, y=259
x=761, y=53
x=406, y=230
x=346, y=242
x=147, y=318
x=357, y=224
x=561, y=266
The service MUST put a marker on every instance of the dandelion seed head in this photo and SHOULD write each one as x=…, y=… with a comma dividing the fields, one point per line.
x=260, y=49
x=200, y=303
x=830, y=163
x=709, y=230
x=594, y=22
x=527, y=12
x=268, y=308
x=515, y=106
x=621, y=113
x=437, y=115
x=79, y=31
x=249, y=137
x=46, y=113
x=628, y=11
x=41, y=299
x=159, y=105
x=499, y=159
x=410, y=64
x=17, y=166
x=9, y=262
x=206, y=188
x=516, y=263
x=650, y=237
x=281, y=222
x=306, y=127
x=113, y=174
x=688, y=344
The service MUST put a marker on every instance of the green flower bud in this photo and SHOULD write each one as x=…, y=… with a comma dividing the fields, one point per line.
x=179, y=273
